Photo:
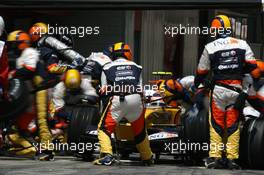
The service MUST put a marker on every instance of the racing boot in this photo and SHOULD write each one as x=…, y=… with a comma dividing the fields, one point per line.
x=46, y=155
x=232, y=165
x=213, y=163
x=106, y=159
x=148, y=162
x=29, y=152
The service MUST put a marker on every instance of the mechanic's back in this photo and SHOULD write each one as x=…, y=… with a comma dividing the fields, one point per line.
x=121, y=80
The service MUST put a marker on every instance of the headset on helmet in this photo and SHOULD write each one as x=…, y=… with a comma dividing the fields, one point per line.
x=72, y=79
x=37, y=30
x=19, y=39
x=121, y=50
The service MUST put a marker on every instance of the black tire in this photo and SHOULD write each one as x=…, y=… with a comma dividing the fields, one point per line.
x=196, y=126
x=243, y=142
x=81, y=118
x=196, y=130
x=20, y=100
x=252, y=143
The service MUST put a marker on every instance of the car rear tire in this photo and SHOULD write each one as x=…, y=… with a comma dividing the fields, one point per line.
x=81, y=118
x=196, y=126
x=196, y=130
x=252, y=143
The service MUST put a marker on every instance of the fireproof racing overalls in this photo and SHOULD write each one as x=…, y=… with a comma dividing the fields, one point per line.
x=94, y=66
x=227, y=58
x=28, y=68
x=57, y=55
x=4, y=68
x=123, y=103
x=51, y=60
x=187, y=82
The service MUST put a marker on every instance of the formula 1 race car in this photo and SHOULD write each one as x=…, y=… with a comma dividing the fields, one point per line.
x=178, y=131
x=166, y=127
x=164, y=123
x=171, y=127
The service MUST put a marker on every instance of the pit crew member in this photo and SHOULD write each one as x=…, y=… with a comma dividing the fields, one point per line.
x=228, y=59
x=122, y=71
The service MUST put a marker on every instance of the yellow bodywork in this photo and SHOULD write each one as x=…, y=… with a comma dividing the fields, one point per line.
x=155, y=117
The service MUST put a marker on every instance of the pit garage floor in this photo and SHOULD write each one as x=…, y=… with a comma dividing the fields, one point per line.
x=64, y=165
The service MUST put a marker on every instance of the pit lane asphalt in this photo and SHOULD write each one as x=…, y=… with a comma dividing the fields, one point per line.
x=65, y=165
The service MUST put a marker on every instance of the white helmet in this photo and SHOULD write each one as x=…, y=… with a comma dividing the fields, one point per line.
x=2, y=25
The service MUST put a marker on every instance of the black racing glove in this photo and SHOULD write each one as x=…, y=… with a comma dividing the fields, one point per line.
x=76, y=63
x=258, y=83
x=199, y=79
x=240, y=101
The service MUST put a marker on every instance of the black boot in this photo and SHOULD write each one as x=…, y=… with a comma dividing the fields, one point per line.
x=213, y=163
x=105, y=159
x=232, y=165
x=45, y=156
x=148, y=162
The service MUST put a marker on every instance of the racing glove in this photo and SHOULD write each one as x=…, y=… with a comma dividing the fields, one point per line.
x=76, y=63
x=257, y=83
x=240, y=101
x=199, y=79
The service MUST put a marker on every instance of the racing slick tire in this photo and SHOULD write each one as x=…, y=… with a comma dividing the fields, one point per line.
x=252, y=144
x=196, y=126
x=19, y=94
x=196, y=130
x=82, y=117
